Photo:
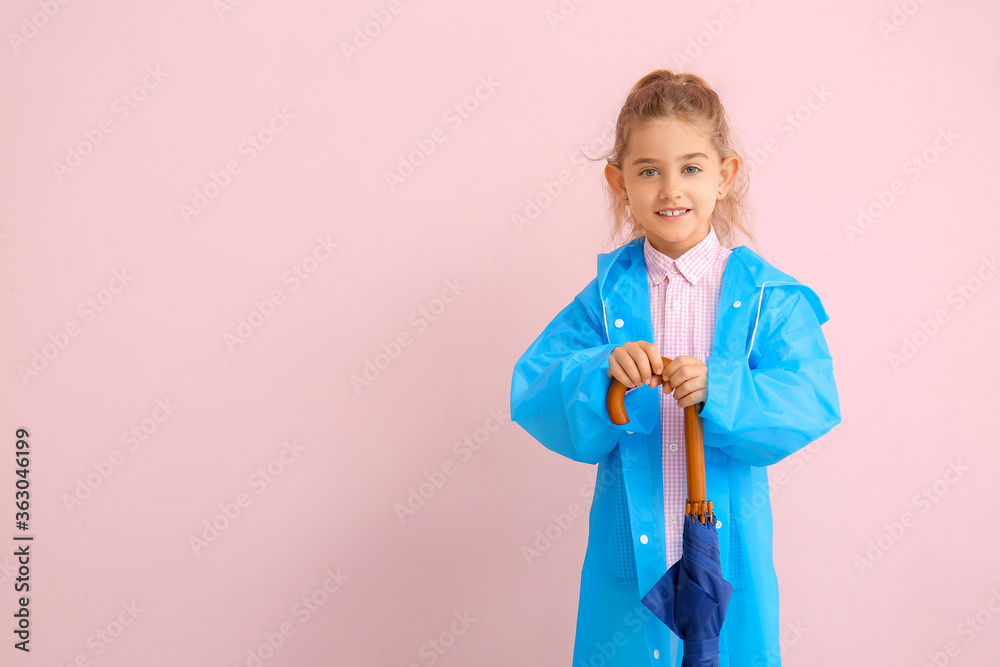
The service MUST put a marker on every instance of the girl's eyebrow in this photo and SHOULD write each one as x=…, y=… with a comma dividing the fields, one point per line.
x=650, y=160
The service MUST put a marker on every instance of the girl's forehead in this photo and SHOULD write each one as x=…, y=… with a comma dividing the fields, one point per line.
x=668, y=139
x=671, y=128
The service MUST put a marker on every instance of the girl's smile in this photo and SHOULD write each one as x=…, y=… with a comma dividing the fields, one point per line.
x=674, y=213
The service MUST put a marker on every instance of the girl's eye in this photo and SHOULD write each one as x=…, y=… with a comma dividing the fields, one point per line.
x=690, y=166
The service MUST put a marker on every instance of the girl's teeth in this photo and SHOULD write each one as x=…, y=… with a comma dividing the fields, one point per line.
x=670, y=214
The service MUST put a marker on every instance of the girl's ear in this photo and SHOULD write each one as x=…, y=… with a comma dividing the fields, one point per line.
x=730, y=167
x=615, y=179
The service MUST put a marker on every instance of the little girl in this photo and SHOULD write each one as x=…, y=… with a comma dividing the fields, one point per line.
x=746, y=343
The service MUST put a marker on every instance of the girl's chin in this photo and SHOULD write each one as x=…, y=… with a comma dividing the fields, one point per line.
x=681, y=227
x=674, y=231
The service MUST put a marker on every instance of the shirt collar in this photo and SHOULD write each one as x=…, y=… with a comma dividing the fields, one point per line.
x=692, y=264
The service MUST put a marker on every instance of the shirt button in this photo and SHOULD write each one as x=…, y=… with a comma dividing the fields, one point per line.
x=677, y=305
x=673, y=447
x=736, y=304
x=643, y=539
x=656, y=653
x=619, y=323
x=672, y=518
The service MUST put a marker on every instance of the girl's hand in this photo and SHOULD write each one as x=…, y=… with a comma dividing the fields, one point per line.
x=639, y=362
x=636, y=363
x=689, y=377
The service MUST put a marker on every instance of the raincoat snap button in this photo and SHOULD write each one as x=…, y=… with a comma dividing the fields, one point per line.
x=619, y=323
x=718, y=524
x=656, y=653
x=736, y=304
x=629, y=432
x=643, y=539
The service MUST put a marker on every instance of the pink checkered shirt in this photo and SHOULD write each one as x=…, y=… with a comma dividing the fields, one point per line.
x=683, y=299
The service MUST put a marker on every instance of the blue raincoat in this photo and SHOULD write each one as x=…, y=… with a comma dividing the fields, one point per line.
x=771, y=391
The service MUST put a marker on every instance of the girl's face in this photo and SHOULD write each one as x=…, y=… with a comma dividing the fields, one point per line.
x=671, y=166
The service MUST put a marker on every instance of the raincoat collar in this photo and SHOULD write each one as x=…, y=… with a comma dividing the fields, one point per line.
x=743, y=267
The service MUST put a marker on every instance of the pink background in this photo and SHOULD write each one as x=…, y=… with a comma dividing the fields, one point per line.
x=431, y=279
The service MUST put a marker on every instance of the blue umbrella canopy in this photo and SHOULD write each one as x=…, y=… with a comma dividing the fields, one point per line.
x=691, y=598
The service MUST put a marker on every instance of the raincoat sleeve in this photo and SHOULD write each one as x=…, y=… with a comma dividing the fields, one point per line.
x=762, y=409
x=559, y=390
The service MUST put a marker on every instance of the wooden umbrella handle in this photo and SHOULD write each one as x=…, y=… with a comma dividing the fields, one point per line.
x=694, y=445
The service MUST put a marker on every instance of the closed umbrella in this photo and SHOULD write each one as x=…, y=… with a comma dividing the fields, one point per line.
x=691, y=598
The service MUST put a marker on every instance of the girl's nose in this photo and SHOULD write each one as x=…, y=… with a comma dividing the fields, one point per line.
x=671, y=192
x=671, y=189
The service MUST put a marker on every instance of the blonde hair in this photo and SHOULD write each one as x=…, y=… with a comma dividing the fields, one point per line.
x=686, y=97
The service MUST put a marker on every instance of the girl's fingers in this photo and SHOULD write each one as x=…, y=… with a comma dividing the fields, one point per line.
x=624, y=369
x=691, y=395
x=644, y=372
x=614, y=369
x=679, y=375
x=636, y=363
x=693, y=398
x=653, y=356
